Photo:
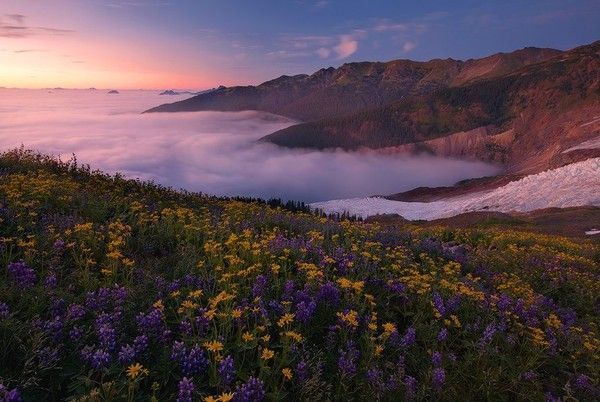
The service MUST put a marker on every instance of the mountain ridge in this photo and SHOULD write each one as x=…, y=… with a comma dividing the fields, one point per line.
x=352, y=87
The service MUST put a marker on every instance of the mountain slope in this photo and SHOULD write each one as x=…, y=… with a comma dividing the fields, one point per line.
x=539, y=108
x=355, y=86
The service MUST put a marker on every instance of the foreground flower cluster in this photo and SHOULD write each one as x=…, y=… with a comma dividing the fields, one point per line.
x=117, y=290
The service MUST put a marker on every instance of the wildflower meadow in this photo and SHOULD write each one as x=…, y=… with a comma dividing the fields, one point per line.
x=116, y=289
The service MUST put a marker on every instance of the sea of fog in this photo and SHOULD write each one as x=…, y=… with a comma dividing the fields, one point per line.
x=211, y=152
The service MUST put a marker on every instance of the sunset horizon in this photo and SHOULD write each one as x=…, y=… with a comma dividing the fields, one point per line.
x=192, y=45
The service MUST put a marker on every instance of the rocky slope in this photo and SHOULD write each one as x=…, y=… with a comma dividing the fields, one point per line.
x=525, y=119
x=354, y=87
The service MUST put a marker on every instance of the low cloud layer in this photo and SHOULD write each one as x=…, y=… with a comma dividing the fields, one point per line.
x=212, y=152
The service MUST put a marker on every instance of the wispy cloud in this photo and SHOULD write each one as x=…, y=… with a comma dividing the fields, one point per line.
x=404, y=34
x=15, y=18
x=147, y=3
x=323, y=52
x=28, y=50
x=13, y=26
x=408, y=46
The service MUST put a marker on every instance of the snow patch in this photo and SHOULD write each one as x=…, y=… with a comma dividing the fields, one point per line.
x=589, y=144
x=572, y=185
x=592, y=232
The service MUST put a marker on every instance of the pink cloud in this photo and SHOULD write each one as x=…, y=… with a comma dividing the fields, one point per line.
x=347, y=47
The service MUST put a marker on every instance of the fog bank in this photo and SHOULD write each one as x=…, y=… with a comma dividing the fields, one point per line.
x=212, y=152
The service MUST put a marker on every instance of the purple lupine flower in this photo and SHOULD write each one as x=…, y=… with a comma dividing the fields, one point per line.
x=409, y=338
x=86, y=353
x=303, y=295
x=504, y=302
x=584, y=384
x=195, y=361
x=51, y=280
x=54, y=328
x=58, y=245
x=201, y=322
x=185, y=328
x=302, y=371
x=24, y=276
x=226, y=371
x=488, y=334
x=438, y=378
x=288, y=290
x=151, y=323
x=178, y=351
x=127, y=354
x=410, y=387
x=438, y=303
x=567, y=316
x=4, y=311
x=76, y=333
x=140, y=344
x=186, y=390
x=75, y=312
x=252, y=391
x=375, y=378
x=276, y=308
x=396, y=287
x=329, y=294
x=12, y=395
x=348, y=359
x=107, y=337
x=100, y=359
x=305, y=311
x=452, y=303
x=174, y=286
x=442, y=335
x=260, y=285
x=436, y=359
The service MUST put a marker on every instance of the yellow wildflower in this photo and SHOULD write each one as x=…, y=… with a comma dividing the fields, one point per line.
x=287, y=318
x=226, y=396
x=247, y=337
x=350, y=318
x=294, y=335
x=287, y=373
x=213, y=346
x=136, y=370
x=158, y=305
x=267, y=354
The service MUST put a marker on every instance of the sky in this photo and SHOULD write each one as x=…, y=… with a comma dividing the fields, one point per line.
x=193, y=44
